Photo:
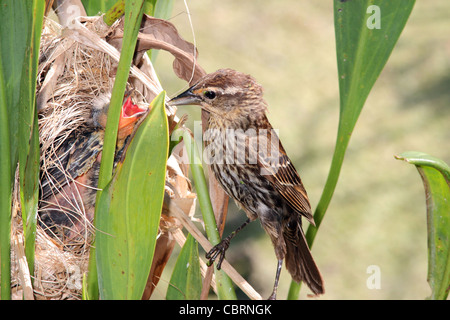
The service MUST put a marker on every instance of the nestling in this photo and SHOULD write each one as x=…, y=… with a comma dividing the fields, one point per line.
x=68, y=185
x=254, y=170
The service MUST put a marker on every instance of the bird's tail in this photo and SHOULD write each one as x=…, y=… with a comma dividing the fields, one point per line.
x=299, y=261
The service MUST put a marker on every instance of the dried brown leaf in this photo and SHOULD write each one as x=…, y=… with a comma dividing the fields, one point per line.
x=161, y=34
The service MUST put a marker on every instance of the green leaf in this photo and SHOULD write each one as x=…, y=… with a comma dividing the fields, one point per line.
x=151, y=7
x=362, y=50
x=29, y=152
x=163, y=9
x=19, y=51
x=129, y=210
x=30, y=195
x=84, y=290
x=115, y=12
x=435, y=174
x=186, y=280
x=6, y=183
x=133, y=18
x=98, y=6
x=362, y=53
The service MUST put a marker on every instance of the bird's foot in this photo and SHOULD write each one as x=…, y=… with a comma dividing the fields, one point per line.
x=218, y=251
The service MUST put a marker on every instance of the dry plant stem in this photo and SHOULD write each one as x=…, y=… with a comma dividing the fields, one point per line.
x=24, y=272
x=226, y=266
x=207, y=278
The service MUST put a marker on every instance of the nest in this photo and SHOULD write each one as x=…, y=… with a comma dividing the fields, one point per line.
x=77, y=66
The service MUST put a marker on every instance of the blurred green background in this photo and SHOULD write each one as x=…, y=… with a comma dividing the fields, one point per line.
x=378, y=215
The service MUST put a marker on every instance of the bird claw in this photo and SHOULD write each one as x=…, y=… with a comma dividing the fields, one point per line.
x=218, y=251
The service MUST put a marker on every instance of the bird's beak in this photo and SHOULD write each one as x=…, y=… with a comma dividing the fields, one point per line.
x=130, y=113
x=185, y=98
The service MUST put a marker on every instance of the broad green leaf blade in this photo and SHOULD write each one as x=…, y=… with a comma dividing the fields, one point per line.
x=163, y=9
x=366, y=32
x=118, y=9
x=438, y=216
x=84, y=291
x=19, y=50
x=362, y=50
x=159, y=9
x=149, y=7
x=186, y=280
x=13, y=42
x=115, y=12
x=30, y=195
x=98, y=6
x=435, y=174
x=422, y=159
x=6, y=183
x=130, y=208
x=29, y=152
x=133, y=18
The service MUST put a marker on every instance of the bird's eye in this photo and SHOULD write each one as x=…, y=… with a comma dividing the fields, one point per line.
x=210, y=94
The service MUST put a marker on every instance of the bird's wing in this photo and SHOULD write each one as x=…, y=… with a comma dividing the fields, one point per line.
x=73, y=158
x=277, y=168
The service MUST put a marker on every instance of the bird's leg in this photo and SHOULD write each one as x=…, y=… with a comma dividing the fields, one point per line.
x=273, y=296
x=220, y=248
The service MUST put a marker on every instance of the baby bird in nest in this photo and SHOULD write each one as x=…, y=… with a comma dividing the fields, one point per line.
x=69, y=186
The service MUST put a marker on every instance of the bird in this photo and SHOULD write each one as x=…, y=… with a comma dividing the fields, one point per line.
x=251, y=165
x=68, y=186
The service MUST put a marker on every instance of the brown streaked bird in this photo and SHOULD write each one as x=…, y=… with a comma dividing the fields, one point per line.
x=263, y=181
x=68, y=186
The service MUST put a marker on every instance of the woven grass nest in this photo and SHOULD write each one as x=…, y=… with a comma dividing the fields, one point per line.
x=77, y=65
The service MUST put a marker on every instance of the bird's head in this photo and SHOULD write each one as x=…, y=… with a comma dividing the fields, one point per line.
x=129, y=114
x=226, y=93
